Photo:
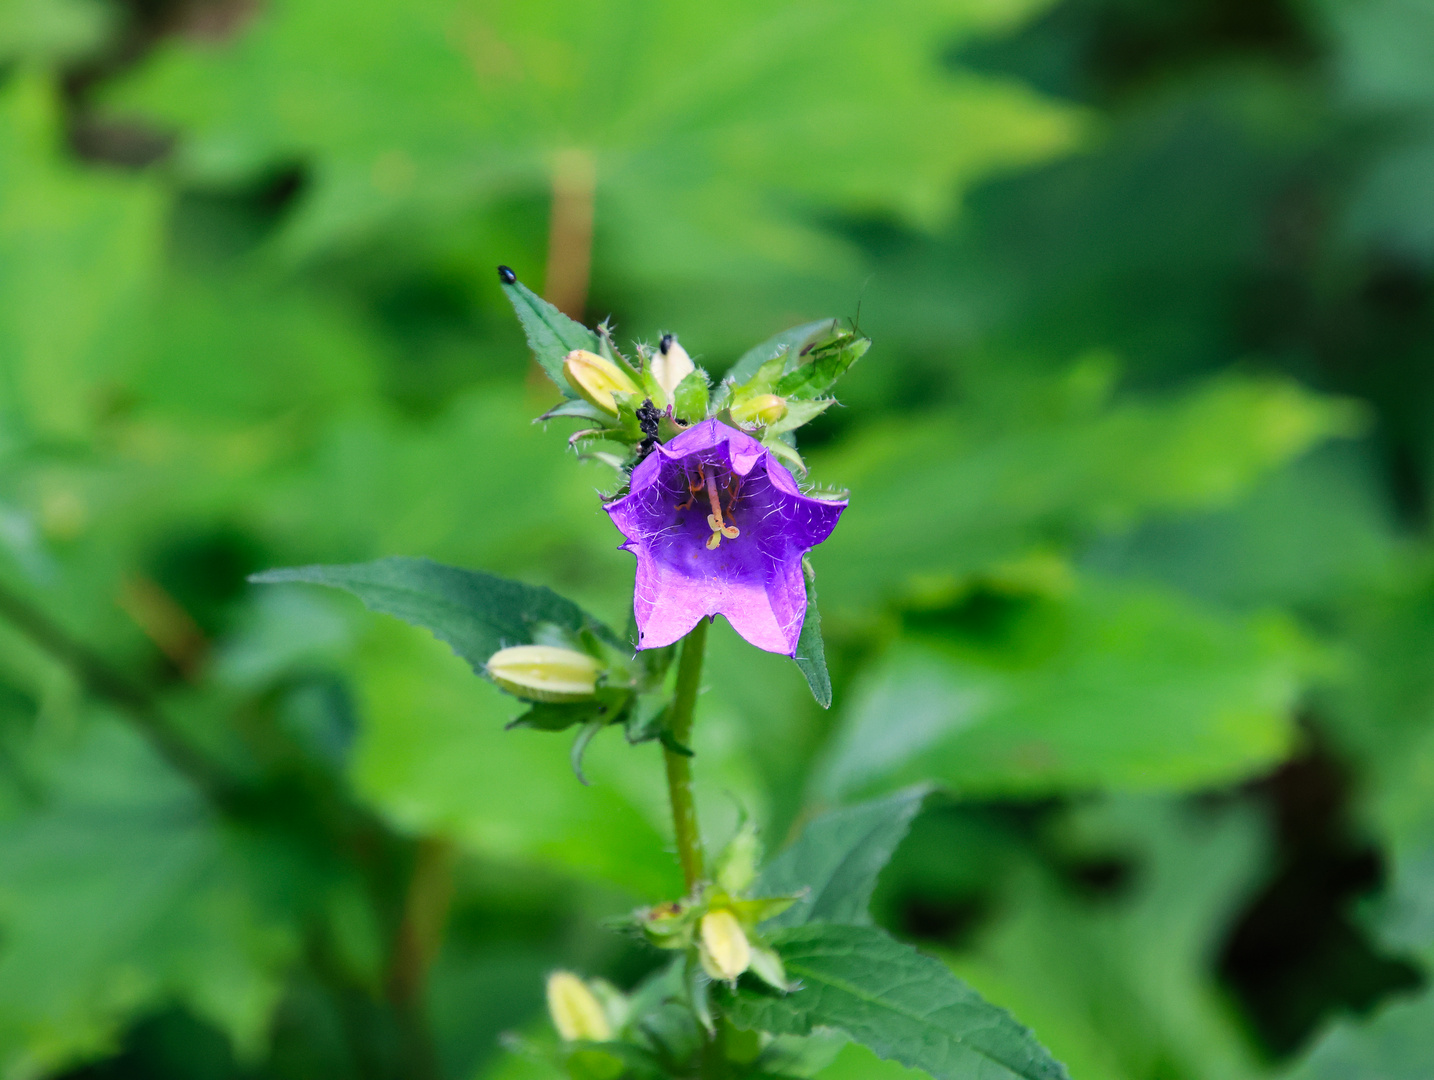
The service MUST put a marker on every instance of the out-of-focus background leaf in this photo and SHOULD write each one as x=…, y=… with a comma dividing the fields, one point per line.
x=1136, y=568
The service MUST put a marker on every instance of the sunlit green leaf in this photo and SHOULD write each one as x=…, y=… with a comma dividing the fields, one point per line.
x=77, y=253
x=50, y=28
x=1132, y=689
x=690, y=118
x=945, y=496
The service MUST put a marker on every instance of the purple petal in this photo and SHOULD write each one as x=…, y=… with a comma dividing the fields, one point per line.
x=754, y=579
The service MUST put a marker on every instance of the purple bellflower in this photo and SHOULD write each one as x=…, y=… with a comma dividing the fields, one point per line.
x=719, y=527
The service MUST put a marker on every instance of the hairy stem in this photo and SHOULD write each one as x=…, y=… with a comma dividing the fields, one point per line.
x=679, y=765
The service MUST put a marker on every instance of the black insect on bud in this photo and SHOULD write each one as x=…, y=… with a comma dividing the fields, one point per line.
x=666, y=343
x=506, y=275
x=647, y=418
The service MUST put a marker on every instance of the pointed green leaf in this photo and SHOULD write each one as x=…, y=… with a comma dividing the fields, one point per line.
x=476, y=613
x=799, y=413
x=837, y=859
x=788, y=342
x=811, y=654
x=576, y=407
x=551, y=334
x=822, y=363
x=907, y=1007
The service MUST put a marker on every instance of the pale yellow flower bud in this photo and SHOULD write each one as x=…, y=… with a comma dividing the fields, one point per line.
x=544, y=672
x=670, y=365
x=761, y=409
x=575, y=1010
x=597, y=379
x=724, y=950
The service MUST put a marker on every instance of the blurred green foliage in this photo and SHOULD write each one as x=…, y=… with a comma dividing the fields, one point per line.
x=1137, y=565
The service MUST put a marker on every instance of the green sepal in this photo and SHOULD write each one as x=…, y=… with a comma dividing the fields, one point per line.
x=575, y=407
x=759, y=909
x=551, y=334
x=653, y=390
x=606, y=707
x=699, y=991
x=786, y=453
x=580, y=747
x=668, y=428
x=612, y=461
x=736, y=867
x=647, y=719
x=616, y=435
x=799, y=413
x=720, y=401
x=768, y=967
x=627, y=406
x=650, y=666
x=608, y=350
x=690, y=398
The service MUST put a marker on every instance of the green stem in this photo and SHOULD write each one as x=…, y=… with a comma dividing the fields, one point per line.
x=679, y=766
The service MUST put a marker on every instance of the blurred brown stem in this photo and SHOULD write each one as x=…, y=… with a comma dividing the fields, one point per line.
x=104, y=682
x=570, y=232
x=416, y=944
x=425, y=911
x=165, y=622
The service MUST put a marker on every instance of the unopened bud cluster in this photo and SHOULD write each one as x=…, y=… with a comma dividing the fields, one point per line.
x=719, y=927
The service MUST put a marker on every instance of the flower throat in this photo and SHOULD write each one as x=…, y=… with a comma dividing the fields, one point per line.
x=715, y=520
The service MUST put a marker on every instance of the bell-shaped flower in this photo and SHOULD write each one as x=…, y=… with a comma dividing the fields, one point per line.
x=719, y=527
